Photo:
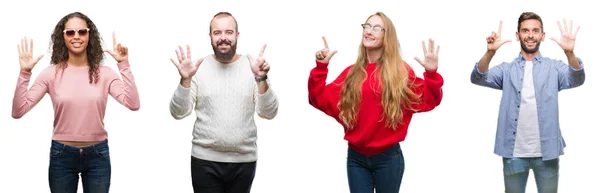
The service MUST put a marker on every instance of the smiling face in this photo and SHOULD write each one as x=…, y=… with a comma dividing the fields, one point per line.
x=373, y=32
x=530, y=35
x=76, y=35
x=224, y=37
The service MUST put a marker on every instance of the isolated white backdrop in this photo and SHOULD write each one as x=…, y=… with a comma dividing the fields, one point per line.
x=302, y=150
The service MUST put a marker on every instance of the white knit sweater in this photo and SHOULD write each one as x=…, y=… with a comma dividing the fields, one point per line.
x=225, y=98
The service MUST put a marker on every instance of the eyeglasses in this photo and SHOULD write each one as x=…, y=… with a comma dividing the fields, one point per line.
x=81, y=32
x=375, y=29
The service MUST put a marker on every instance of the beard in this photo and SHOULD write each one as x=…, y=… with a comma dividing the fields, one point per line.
x=227, y=55
x=527, y=50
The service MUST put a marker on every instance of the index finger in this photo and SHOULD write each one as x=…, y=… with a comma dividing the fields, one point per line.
x=500, y=28
x=262, y=51
x=325, y=41
x=114, y=39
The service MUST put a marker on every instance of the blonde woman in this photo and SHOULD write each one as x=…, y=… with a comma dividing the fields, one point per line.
x=374, y=100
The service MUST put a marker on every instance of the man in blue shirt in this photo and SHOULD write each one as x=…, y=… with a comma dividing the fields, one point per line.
x=528, y=134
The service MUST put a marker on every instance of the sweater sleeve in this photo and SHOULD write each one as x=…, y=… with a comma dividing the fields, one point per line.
x=25, y=99
x=183, y=100
x=429, y=88
x=125, y=91
x=324, y=96
x=267, y=104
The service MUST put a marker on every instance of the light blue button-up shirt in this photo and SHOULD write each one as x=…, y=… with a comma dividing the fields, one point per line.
x=549, y=77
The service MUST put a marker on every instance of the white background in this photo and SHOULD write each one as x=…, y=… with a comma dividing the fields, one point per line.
x=449, y=149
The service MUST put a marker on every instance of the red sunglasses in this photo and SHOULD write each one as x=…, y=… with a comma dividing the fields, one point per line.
x=81, y=32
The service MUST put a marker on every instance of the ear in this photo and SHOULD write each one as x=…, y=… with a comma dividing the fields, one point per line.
x=517, y=36
x=543, y=36
x=237, y=35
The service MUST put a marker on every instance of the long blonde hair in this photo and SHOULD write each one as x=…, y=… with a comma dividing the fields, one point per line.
x=393, y=76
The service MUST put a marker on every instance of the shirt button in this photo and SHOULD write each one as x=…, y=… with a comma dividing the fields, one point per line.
x=514, y=132
x=515, y=119
x=518, y=106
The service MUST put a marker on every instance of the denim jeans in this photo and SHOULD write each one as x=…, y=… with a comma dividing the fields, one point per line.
x=382, y=172
x=67, y=162
x=219, y=177
x=516, y=173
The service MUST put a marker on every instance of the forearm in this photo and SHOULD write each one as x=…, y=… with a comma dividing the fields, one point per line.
x=572, y=59
x=267, y=104
x=484, y=62
x=263, y=86
x=130, y=96
x=181, y=103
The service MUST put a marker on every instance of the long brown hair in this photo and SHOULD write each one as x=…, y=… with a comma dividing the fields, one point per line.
x=392, y=74
x=94, y=52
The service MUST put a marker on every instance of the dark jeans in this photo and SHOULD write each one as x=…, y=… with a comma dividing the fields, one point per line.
x=67, y=162
x=218, y=177
x=382, y=172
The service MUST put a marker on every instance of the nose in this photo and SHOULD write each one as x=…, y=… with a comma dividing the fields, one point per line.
x=222, y=37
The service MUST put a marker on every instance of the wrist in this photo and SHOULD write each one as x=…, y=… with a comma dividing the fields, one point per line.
x=185, y=82
x=260, y=79
x=26, y=70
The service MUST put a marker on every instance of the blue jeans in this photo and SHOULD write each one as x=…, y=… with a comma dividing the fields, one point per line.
x=382, y=172
x=67, y=162
x=220, y=177
x=516, y=172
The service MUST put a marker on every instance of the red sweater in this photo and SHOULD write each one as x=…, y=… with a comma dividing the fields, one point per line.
x=370, y=136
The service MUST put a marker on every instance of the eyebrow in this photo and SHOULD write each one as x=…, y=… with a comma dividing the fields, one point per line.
x=373, y=25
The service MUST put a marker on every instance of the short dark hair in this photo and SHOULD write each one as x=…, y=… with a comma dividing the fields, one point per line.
x=223, y=13
x=527, y=16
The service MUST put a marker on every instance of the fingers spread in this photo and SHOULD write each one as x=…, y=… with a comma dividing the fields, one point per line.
x=189, y=52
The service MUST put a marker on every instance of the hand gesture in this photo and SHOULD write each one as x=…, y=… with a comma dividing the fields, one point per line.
x=26, y=59
x=259, y=67
x=493, y=41
x=567, y=37
x=186, y=69
x=431, y=56
x=325, y=55
x=120, y=52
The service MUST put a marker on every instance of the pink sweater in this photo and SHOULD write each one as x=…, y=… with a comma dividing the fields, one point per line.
x=79, y=106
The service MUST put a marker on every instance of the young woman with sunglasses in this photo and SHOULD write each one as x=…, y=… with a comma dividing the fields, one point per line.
x=374, y=100
x=78, y=85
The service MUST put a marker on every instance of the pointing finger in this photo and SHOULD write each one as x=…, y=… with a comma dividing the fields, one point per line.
x=262, y=51
x=500, y=28
x=114, y=40
x=325, y=41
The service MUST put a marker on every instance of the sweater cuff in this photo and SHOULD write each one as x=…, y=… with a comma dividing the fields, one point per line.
x=322, y=65
x=268, y=96
x=24, y=74
x=182, y=93
x=123, y=65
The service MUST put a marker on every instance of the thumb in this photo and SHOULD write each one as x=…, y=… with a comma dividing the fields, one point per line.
x=554, y=39
x=505, y=41
x=199, y=62
x=250, y=58
x=420, y=61
x=330, y=55
x=110, y=52
x=38, y=58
